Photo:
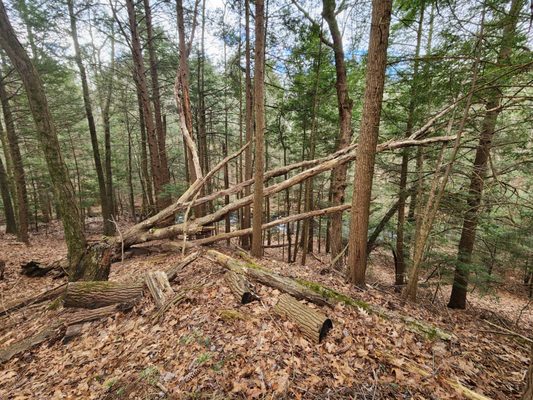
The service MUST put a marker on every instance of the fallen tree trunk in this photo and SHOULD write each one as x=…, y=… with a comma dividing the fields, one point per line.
x=56, y=330
x=44, y=296
x=321, y=295
x=95, y=294
x=313, y=324
x=240, y=287
x=196, y=226
x=268, y=278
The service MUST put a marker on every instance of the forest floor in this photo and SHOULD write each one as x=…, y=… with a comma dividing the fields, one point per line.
x=212, y=347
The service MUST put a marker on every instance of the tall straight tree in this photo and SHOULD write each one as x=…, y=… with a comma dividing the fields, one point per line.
x=9, y=214
x=345, y=105
x=84, y=262
x=156, y=101
x=259, y=96
x=477, y=178
x=368, y=138
x=102, y=190
x=246, y=216
x=21, y=193
x=157, y=168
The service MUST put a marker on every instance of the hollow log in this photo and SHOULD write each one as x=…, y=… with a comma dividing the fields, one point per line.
x=159, y=287
x=322, y=295
x=313, y=324
x=97, y=294
x=268, y=278
x=240, y=287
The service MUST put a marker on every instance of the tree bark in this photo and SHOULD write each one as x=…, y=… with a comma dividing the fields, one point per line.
x=106, y=207
x=366, y=151
x=100, y=294
x=159, y=287
x=477, y=178
x=249, y=127
x=21, y=193
x=528, y=391
x=259, y=162
x=313, y=324
x=11, y=225
x=240, y=287
x=78, y=251
x=345, y=105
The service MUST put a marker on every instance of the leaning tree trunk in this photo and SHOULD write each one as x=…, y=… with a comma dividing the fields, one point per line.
x=345, y=105
x=477, y=179
x=366, y=151
x=84, y=263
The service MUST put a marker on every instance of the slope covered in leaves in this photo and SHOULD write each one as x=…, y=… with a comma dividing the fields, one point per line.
x=211, y=347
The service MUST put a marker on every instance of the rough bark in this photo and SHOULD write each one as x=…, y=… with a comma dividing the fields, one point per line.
x=49, y=143
x=159, y=287
x=102, y=190
x=313, y=324
x=366, y=151
x=160, y=133
x=142, y=87
x=345, y=105
x=477, y=178
x=528, y=391
x=100, y=294
x=9, y=214
x=21, y=194
x=240, y=287
x=259, y=108
x=246, y=218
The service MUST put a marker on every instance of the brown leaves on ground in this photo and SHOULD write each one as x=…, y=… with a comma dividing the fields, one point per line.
x=211, y=347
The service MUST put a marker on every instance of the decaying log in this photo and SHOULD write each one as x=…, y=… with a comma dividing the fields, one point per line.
x=240, y=287
x=55, y=330
x=313, y=324
x=35, y=269
x=159, y=287
x=321, y=295
x=44, y=296
x=269, y=278
x=173, y=271
x=97, y=294
x=2, y=269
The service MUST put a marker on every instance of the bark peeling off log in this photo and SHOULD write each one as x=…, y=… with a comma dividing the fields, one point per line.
x=312, y=323
x=240, y=287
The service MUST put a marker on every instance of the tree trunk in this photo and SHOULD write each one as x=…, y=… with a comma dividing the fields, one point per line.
x=477, y=178
x=158, y=175
x=366, y=151
x=106, y=207
x=402, y=195
x=345, y=105
x=11, y=225
x=240, y=287
x=528, y=392
x=259, y=163
x=160, y=134
x=21, y=205
x=246, y=221
x=100, y=294
x=79, y=255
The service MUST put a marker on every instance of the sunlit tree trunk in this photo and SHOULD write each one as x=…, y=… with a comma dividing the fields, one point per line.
x=259, y=95
x=368, y=137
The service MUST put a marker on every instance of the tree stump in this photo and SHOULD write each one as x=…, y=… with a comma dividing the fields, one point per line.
x=240, y=287
x=96, y=294
x=313, y=324
x=159, y=287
